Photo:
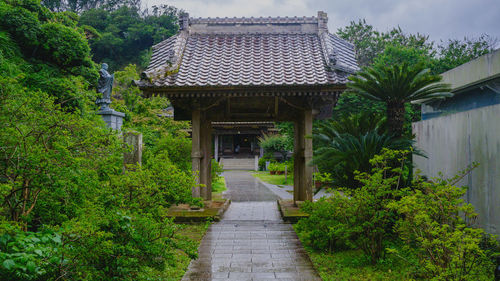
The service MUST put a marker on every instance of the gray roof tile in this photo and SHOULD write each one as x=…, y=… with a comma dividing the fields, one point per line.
x=276, y=57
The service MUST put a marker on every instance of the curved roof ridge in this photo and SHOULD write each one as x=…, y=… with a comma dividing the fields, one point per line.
x=232, y=20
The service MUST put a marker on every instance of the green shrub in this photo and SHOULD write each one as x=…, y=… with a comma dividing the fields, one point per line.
x=63, y=45
x=342, y=154
x=197, y=201
x=448, y=247
x=276, y=143
x=323, y=177
x=154, y=186
x=275, y=167
x=117, y=245
x=217, y=169
x=263, y=160
x=326, y=227
x=29, y=255
x=23, y=26
x=359, y=218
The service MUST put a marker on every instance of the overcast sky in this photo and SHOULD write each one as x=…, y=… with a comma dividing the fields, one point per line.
x=441, y=19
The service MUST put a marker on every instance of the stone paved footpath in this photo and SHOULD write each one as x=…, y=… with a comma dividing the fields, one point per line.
x=251, y=242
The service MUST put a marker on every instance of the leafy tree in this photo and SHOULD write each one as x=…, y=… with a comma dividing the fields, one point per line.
x=396, y=85
x=79, y=6
x=370, y=43
x=456, y=52
x=276, y=143
x=67, y=209
x=127, y=33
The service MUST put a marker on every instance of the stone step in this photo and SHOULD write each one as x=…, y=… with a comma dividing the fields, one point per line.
x=238, y=163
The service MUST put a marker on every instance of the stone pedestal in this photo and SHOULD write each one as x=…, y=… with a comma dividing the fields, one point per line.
x=114, y=119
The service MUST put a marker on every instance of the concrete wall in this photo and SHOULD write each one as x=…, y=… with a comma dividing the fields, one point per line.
x=453, y=142
x=484, y=68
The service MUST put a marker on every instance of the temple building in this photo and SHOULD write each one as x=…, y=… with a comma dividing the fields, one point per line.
x=233, y=77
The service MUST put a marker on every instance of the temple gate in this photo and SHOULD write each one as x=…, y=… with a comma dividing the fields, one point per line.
x=246, y=70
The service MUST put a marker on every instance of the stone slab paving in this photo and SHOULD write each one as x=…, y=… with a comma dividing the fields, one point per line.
x=251, y=243
x=242, y=186
x=261, y=211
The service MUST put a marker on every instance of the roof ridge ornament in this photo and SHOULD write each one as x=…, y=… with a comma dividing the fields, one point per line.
x=322, y=22
x=184, y=21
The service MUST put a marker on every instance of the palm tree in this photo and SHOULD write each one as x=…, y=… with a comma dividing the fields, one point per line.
x=342, y=154
x=396, y=85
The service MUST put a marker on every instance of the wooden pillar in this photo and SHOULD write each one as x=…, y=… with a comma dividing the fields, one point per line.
x=308, y=153
x=206, y=160
x=216, y=147
x=297, y=160
x=196, y=150
x=302, y=185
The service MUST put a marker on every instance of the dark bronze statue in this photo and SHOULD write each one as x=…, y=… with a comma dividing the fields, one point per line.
x=105, y=87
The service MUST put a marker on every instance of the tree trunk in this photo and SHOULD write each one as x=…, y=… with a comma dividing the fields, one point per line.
x=395, y=117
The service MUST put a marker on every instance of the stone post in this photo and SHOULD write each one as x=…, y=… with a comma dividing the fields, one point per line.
x=133, y=157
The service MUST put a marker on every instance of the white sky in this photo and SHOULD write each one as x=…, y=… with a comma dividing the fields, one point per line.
x=441, y=19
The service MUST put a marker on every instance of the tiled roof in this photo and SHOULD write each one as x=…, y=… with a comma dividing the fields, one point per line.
x=250, y=52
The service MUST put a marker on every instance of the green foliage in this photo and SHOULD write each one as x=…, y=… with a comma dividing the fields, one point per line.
x=29, y=255
x=69, y=210
x=352, y=265
x=22, y=25
x=325, y=228
x=263, y=160
x=276, y=167
x=157, y=184
x=385, y=49
x=397, y=54
x=281, y=167
x=197, y=202
x=456, y=52
x=353, y=104
x=217, y=169
x=52, y=46
x=433, y=226
x=370, y=43
x=64, y=45
x=360, y=218
x=323, y=177
x=396, y=85
x=370, y=220
x=111, y=244
x=343, y=147
x=127, y=33
x=276, y=143
x=430, y=217
x=44, y=148
x=79, y=6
